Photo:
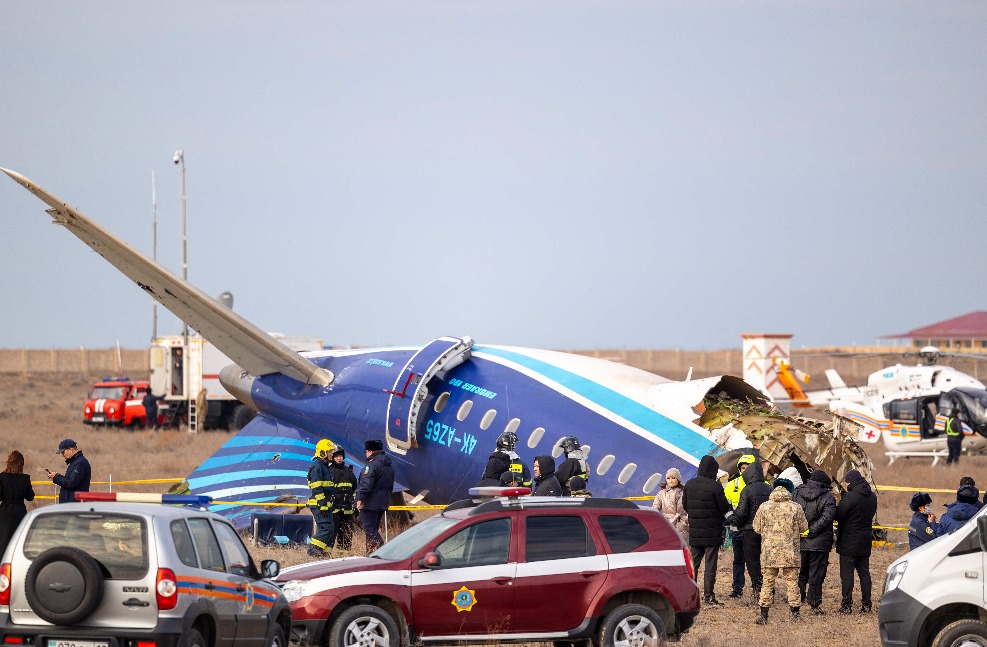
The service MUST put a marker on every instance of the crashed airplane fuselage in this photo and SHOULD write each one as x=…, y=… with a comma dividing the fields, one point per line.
x=440, y=407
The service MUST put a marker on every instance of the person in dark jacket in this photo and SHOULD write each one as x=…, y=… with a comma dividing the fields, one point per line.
x=816, y=498
x=15, y=489
x=575, y=464
x=78, y=472
x=707, y=506
x=733, y=488
x=546, y=484
x=960, y=511
x=756, y=492
x=373, y=492
x=497, y=464
x=854, y=534
x=320, y=502
x=968, y=480
x=150, y=402
x=923, y=527
x=342, y=501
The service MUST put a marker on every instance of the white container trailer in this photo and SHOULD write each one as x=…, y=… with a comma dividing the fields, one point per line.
x=181, y=374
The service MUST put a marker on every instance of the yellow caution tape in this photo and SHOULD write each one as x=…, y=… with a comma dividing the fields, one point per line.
x=901, y=488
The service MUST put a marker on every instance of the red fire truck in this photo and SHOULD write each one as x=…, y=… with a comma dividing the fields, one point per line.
x=116, y=401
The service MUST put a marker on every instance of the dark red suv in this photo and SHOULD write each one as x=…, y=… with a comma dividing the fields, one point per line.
x=517, y=569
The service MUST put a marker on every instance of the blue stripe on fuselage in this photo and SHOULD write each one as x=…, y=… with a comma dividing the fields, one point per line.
x=634, y=412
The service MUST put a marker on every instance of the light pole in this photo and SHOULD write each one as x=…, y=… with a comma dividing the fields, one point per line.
x=179, y=158
x=154, y=228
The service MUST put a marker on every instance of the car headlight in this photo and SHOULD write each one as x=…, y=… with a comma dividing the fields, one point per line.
x=293, y=590
x=895, y=573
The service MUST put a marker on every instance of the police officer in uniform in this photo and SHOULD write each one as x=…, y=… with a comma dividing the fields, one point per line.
x=320, y=503
x=575, y=464
x=373, y=490
x=343, y=504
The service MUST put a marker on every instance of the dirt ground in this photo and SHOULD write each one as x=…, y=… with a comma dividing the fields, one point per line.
x=38, y=410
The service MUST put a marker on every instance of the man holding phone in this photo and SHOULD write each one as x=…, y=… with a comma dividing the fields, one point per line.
x=78, y=472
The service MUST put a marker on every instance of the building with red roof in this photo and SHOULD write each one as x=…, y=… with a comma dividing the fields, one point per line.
x=967, y=333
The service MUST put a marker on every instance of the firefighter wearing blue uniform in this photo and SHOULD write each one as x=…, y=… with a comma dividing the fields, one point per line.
x=322, y=486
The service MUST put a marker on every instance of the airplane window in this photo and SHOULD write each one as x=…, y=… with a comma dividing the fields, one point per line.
x=441, y=401
x=535, y=437
x=488, y=419
x=464, y=410
x=585, y=449
x=605, y=464
x=556, y=450
x=652, y=483
x=626, y=473
x=512, y=425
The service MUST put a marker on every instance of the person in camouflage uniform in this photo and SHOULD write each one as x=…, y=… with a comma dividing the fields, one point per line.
x=780, y=522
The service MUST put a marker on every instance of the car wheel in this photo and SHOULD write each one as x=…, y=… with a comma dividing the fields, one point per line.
x=962, y=633
x=632, y=625
x=64, y=585
x=194, y=639
x=276, y=637
x=364, y=624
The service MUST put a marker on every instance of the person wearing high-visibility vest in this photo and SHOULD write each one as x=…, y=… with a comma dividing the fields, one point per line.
x=320, y=503
x=732, y=489
x=954, y=437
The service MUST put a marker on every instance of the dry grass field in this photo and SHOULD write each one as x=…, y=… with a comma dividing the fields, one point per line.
x=37, y=410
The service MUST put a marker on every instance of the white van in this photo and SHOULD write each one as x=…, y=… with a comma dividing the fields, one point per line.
x=934, y=595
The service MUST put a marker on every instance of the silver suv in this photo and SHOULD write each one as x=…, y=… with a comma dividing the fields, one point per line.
x=107, y=574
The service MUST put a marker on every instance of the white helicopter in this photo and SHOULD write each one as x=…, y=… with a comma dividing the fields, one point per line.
x=905, y=406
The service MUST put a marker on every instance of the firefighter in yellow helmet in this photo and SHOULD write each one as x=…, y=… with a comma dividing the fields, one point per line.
x=322, y=486
x=733, y=489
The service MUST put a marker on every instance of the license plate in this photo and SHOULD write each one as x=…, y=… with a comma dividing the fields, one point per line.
x=58, y=642
x=99, y=417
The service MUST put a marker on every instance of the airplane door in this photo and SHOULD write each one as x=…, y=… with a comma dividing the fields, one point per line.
x=410, y=389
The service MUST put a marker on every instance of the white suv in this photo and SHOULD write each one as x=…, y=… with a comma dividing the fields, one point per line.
x=107, y=574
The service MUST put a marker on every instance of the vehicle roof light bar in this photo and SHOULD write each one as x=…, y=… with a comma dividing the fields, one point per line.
x=137, y=497
x=492, y=492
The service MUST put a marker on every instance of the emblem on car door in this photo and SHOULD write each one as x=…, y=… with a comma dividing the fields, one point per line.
x=463, y=599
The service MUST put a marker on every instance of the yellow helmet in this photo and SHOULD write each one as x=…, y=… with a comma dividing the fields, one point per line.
x=746, y=459
x=323, y=449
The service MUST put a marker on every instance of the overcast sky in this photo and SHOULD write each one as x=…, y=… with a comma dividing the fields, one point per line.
x=555, y=174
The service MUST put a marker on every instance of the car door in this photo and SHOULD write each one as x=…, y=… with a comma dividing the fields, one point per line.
x=212, y=581
x=471, y=592
x=559, y=573
x=251, y=616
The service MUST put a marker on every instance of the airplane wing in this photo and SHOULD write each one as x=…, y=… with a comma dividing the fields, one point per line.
x=250, y=347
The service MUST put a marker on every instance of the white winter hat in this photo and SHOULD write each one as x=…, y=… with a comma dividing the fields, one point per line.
x=792, y=475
